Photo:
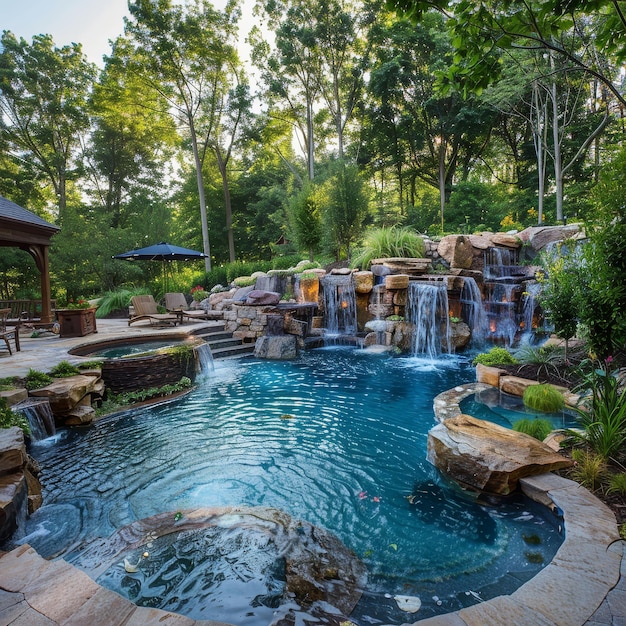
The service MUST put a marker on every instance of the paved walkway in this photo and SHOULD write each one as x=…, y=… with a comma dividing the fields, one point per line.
x=585, y=584
x=44, y=352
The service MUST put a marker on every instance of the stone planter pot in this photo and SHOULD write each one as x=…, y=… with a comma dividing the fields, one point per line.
x=77, y=322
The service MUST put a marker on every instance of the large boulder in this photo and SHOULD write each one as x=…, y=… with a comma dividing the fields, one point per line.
x=278, y=348
x=457, y=250
x=540, y=236
x=487, y=457
x=65, y=393
x=258, y=297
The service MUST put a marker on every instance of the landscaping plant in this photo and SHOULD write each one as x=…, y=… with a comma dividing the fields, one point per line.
x=495, y=356
x=602, y=412
x=9, y=418
x=537, y=428
x=543, y=397
x=64, y=369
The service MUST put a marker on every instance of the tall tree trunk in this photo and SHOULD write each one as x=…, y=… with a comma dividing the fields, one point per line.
x=442, y=179
x=558, y=159
x=221, y=164
x=206, y=248
x=310, y=140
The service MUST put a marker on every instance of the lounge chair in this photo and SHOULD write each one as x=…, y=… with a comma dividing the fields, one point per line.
x=145, y=308
x=176, y=303
x=7, y=333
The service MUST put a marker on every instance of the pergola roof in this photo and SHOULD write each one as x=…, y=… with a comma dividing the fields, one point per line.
x=21, y=228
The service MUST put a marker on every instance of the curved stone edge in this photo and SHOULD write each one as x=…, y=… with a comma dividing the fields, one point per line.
x=36, y=591
x=584, y=570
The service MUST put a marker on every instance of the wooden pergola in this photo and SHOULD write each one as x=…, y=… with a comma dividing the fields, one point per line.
x=20, y=228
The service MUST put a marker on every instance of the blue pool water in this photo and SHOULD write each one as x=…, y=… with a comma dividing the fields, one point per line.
x=336, y=438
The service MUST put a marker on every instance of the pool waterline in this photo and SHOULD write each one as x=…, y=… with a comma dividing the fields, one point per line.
x=257, y=442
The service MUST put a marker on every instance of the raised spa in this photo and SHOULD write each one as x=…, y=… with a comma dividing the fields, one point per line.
x=337, y=439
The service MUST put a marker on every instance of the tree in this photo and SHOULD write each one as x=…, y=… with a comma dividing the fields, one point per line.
x=582, y=32
x=305, y=223
x=345, y=209
x=44, y=94
x=187, y=53
x=133, y=139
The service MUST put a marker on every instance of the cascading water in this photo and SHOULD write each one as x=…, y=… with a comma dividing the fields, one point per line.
x=39, y=415
x=502, y=288
x=204, y=359
x=427, y=309
x=339, y=305
x=474, y=311
x=529, y=306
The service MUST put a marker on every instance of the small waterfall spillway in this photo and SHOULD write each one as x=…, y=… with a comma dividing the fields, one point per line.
x=204, y=359
x=339, y=305
x=474, y=311
x=427, y=310
x=39, y=415
x=529, y=309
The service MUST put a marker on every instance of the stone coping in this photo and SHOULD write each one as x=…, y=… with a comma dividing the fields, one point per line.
x=586, y=567
x=566, y=592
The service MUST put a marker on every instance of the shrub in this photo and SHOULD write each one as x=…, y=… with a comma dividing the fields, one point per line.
x=602, y=414
x=389, y=242
x=617, y=484
x=244, y=281
x=537, y=428
x=590, y=469
x=549, y=360
x=64, y=369
x=543, y=398
x=36, y=379
x=9, y=418
x=7, y=383
x=118, y=300
x=495, y=356
x=199, y=295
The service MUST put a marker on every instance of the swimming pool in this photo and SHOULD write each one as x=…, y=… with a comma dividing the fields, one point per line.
x=336, y=438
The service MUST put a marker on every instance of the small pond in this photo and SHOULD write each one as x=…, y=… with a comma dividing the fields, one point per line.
x=505, y=409
x=336, y=438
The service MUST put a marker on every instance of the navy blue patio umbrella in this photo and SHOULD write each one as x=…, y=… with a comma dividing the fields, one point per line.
x=163, y=252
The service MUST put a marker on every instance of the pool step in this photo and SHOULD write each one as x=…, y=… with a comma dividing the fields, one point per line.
x=232, y=352
x=223, y=344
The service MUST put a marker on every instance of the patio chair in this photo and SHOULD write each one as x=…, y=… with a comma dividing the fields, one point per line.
x=176, y=303
x=7, y=333
x=145, y=308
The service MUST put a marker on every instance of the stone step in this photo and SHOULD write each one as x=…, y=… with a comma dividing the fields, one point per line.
x=223, y=342
x=243, y=349
x=214, y=336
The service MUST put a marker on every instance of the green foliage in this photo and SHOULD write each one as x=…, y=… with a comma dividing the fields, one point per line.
x=602, y=413
x=495, y=356
x=6, y=384
x=617, y=484
x=590, y=469
x=537, y=428
x=8, y=418
x=549, y=360
x=543, y=397
x=244, y=281
x=389, y=242
x=90, y=365
x=118, y=300
x=305, y=219
x=199, y=295
x=36, y=379
x=115, y=402
x=64, y=369
x=345, y=209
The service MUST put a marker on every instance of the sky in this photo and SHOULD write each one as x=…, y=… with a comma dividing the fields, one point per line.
x=89, y=22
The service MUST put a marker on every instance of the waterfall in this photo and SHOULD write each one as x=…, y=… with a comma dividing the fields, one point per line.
x=204, y=359
x=39, y=415
x=529, y=304
x=474, y=311
x=427, y=309
x=502, y=289
x=339, y=305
